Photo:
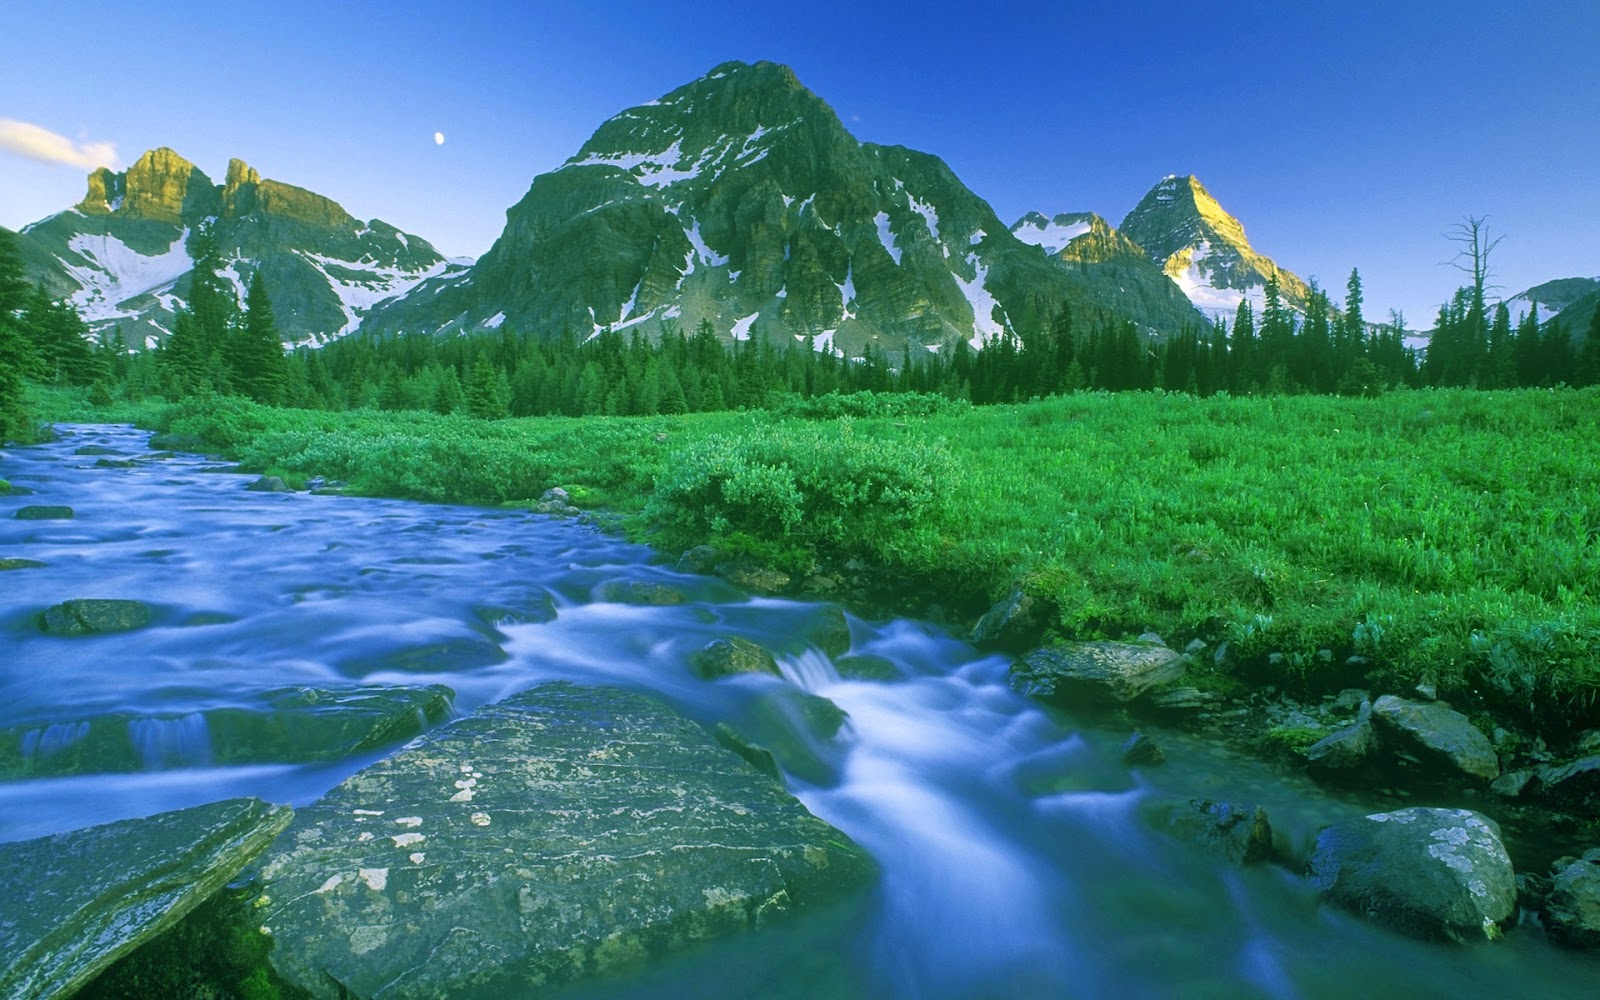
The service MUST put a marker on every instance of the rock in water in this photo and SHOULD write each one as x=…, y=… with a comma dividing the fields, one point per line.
x=78, y=901
x=1572, y=909
x=93, y=616
x=560, y=833
x=268, y=484
x=1438, y=735
x=1240, y=833
x=1347, y=748
x=1427, y=872
x=1121, y=670
x=44, y=512
x=725, y=657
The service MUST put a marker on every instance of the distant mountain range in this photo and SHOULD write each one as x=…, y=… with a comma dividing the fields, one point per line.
x=739, y=199
x=121, y=254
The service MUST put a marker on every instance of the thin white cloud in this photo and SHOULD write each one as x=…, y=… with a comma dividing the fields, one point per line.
x=36, y=143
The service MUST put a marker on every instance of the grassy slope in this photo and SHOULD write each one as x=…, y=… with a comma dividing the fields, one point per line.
x=1450, y=536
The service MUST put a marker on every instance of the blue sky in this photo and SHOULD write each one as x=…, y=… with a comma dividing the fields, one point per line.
x=1341, y=134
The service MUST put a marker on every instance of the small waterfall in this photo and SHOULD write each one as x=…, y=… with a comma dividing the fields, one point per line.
x=52, y=739
x=810, y=671
x=181, y=742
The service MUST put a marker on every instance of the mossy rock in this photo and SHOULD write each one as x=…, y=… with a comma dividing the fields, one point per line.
x=94, y=616
x=733, y=655
x=44, y=512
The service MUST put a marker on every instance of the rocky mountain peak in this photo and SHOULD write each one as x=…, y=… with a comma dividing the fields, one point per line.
x=1202, y=247
x=239, y=189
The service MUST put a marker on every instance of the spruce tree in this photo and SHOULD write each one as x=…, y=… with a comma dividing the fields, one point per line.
x=256, y=366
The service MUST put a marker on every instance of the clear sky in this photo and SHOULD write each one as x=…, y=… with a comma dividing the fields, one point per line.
x=1349, y=134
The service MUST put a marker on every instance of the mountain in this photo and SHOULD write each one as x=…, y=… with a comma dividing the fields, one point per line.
x=1124, y=278
x=1204, y=249
x=121, y=254
x=741, y=199
x=1552, y=298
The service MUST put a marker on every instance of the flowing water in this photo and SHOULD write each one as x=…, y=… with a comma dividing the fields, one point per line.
x=1014, y=859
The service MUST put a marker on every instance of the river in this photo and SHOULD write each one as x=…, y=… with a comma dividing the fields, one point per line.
x=1014, y=859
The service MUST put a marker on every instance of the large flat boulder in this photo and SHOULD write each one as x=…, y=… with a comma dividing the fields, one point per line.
x=76, y=902
x=563, y=832
x=1432, y=873
x=1438, y=736
x=1120, y=671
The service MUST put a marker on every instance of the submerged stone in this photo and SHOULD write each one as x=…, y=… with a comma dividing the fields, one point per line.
x=11, y=562
x=561, y=833
x=44, y=512
x=648, y=593
x=77, y=901
x=1237, y=832
x=1121, y=671
x=1430, y=873
x=296, y=725
x=1140, y=749
x=92, y=616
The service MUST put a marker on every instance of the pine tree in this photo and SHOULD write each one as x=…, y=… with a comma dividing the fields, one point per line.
x=1588, y=367
x=194, y=351
x=256, y=365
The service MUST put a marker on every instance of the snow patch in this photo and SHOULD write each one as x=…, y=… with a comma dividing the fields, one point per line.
x=493, y=322
x=741, y=327
x=1052, y=235
x=847, y=292
x=371, y=283
x=928, y=213
x=886, y=236
x=984, y=326
x=702, y=250
x=113, y=272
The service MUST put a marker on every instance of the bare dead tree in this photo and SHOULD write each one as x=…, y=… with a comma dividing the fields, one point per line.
x=1472, y=236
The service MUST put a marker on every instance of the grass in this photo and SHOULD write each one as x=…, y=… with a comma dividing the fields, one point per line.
x=1448, y=536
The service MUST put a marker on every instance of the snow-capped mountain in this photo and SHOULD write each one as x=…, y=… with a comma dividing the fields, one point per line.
x=1551, y=298
x=121, y=254
x=1204, y=249
x=740, y=199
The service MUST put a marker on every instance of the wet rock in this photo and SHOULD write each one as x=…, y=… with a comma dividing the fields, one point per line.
x=457, y=652
x=1119, y=670
x=95, y=449
x=556, y=502
x=829, y=631
x=534, y=609
x=1575, y=783
x=294, y=725
x=1154, y=638
x=648, y=593
x=11, y=562
x=865, y=667
x=700, y=559
x=268, y=484
x=1239, y=833
x=733, y=655
x=1140, y=749
x=1011, y=622
x=115, y=463
x=92, y=616
x=753, y=576
x=1426, y=872
x=1183, y=700
x=1511, y=784
x=797, y=730
x=1345, y=749
x=1438, y=736
x=1572, y=907
x=1195, y=647
x=44, y=512
x=564, y=832
x=78, y=901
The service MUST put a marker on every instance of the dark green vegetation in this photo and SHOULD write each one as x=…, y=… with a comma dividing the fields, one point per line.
x=1301, y=531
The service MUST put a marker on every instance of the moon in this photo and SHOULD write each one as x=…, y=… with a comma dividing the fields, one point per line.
x=438, y=138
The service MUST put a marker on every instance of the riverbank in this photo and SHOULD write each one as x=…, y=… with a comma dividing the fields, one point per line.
x=1437, y=544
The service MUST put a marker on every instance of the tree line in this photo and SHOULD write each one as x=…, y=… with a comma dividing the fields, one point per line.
x=219, y=345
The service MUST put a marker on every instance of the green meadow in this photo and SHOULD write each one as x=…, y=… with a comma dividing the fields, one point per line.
x=1434, y=536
